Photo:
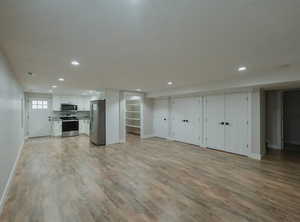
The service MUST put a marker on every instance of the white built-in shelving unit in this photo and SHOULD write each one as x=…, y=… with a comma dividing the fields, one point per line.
x=133, y=116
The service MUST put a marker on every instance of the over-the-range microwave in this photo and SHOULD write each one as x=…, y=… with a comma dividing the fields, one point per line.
x=68, y=107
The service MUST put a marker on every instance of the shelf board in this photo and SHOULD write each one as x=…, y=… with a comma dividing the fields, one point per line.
x=132, y=111
x=133, y=118
x=133, y=126
x=133, y=104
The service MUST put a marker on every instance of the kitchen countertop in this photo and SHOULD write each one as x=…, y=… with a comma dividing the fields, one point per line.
x=53, y=119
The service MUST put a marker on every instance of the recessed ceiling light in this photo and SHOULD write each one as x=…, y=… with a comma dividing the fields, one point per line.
x=242, y=68
x=138, y=90
x=170, y=83
x=61, y=79
x=75, y=63
x=54, y=86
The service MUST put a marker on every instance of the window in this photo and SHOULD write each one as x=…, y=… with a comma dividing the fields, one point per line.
x=39, y=104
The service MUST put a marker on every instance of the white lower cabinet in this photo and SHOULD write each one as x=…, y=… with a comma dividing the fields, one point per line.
x=56, y=128
x=87, y=127
x=227, y=122
x=84, y=127
x=81, y=127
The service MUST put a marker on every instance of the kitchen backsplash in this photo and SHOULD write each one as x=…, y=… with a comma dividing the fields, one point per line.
x=78, y=114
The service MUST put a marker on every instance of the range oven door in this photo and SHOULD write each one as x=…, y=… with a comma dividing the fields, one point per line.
x=70, y=128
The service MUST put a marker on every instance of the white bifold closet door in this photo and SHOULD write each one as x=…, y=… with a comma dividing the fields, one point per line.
x=187, y=120
x=227, y=122
x=178, y=120
x=236, y=123
x=161, y=118
x=215, y=115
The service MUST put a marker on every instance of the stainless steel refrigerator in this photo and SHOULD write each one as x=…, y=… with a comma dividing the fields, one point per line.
x=97, y=123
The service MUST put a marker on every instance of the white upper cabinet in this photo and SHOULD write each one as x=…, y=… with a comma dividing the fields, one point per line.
x=80, y=103
x=83, y=102
x=56, y=103
x=66, y=99
x=86, y=103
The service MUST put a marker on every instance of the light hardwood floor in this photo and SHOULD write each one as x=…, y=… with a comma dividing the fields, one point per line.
x=67, y=179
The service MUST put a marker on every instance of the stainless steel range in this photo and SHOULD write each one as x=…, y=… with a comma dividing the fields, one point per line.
x=70, y=126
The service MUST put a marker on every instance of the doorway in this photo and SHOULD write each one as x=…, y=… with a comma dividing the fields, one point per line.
x=133, y=117
x=39, y=117
x=291, y=120
x=283, y=120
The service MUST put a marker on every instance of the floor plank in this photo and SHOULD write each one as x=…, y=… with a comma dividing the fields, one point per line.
x=68, y=179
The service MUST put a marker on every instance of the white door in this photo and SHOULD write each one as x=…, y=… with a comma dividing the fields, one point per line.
x=236, y=123
x=38, y=117
x=192, y=113
x=215, y=121
x=178, y=120
x=161, y=118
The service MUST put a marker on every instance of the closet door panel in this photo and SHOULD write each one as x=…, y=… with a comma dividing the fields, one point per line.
x=161, y=118
x=215, y=118
x=178, y=116
x=193, y=112
x=236, y=127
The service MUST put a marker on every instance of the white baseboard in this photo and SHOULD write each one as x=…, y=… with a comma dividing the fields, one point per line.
x=147, y=136
x=256, y=156
x=10, y=178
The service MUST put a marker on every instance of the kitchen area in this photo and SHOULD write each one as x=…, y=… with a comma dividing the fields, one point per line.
x=70, y=115
x=60, y=115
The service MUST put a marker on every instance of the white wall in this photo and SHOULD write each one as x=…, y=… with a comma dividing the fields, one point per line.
x=257, y=124
x=122, y=130
x=112, y=116
x=274, y=119
x=147, y=114
x=12, y=125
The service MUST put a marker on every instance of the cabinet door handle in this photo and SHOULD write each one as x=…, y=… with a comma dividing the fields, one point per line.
x=227, y=123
